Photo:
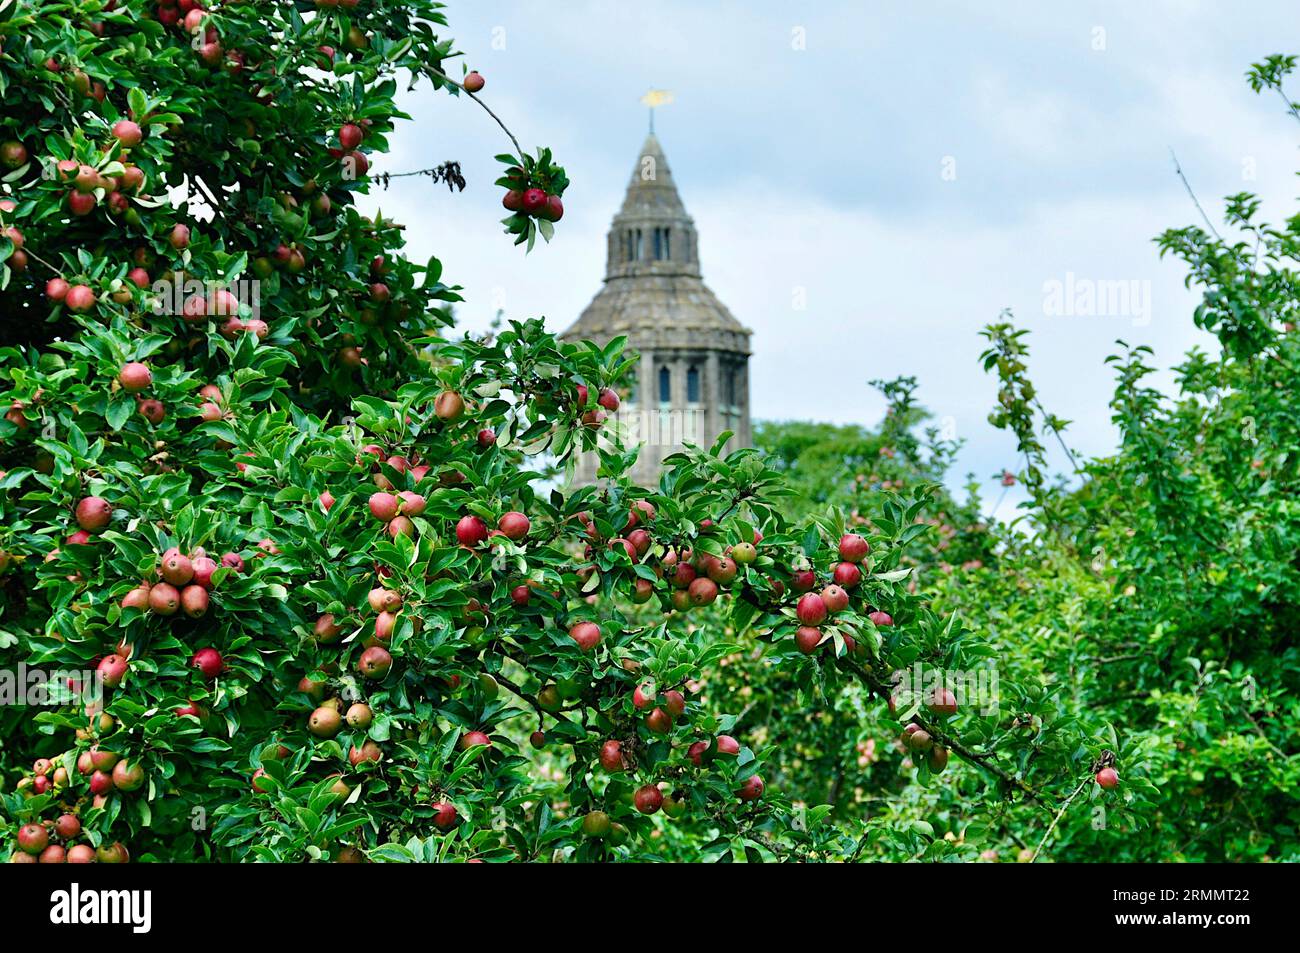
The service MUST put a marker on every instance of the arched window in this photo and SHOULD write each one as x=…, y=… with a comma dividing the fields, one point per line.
x=637, y=251
x=729, y=387
x=693, y=385
x=665, y=386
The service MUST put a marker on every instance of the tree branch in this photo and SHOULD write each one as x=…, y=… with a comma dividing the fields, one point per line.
x=1179, y=169
x=485, y=106
x=1057, y=819
x=978, y=759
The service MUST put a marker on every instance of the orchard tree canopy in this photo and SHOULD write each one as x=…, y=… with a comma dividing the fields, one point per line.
x=281, y=579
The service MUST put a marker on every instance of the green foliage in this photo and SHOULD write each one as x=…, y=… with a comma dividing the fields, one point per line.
x=1141, y=617
x=257, y=441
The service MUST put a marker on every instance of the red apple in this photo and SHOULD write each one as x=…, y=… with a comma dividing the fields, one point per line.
x=942, y=701
x=444, y=816
x=93, y=513
x=514, y=524
x=611, y=756
x=350, y=135
x=164, y=599
x=375, y=662
x=586, y=634
x=811, y=609
x=207, y=661
x=127, y=133
x=807, y=639
x=847, y=575
x=702, y=591
x=853, y=548
x=471, y=531
x=112, y=669
x=835, y=598
x=534, y=201
x=648, y=799
x=751, y=789
x=385, y=506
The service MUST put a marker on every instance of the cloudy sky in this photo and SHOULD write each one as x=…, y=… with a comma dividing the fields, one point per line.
x=904, y=170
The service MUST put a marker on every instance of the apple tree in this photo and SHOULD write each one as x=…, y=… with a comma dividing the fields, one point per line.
x=273, y=549
x=270, y=540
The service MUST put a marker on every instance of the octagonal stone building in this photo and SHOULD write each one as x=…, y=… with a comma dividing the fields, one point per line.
x=692, y=381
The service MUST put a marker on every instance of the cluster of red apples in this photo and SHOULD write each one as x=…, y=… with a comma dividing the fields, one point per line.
x=56, y=841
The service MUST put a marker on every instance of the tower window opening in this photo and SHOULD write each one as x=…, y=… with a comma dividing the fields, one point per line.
x=693, y=385
x=663, y=249
x=665, y=386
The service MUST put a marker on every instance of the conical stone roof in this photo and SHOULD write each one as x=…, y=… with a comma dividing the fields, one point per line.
x=653, y=290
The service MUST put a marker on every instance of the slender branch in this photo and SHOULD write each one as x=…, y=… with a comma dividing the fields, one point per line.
x=833, y=795
x=503, y=680
x=1059, y=439
x=1195, y=201
x=857, y=851
x=485, y=106
x=998, y=505
x=1291, y=107
x=1110, y=659
x=35, y=257
x=516, y=690
x=1057, y=819
x=449, y=173
x=1259, y=729
x=978, y=759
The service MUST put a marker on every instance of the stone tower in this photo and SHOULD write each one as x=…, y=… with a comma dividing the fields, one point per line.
x=692, y=382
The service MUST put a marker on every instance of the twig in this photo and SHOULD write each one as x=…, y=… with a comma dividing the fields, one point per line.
x=1059, y=439
x=1179, y=169
x=486, y=108
x=449, y=173
x=1057, y=819
x=998, y=505
x=501, y=679
x=978, y=759
x=1291, y=107
x=1259, y=729
x=1110, y=659
x=857, y=851
x=35, y=257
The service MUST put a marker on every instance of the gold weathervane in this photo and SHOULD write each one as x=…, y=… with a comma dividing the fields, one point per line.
x=654, y=99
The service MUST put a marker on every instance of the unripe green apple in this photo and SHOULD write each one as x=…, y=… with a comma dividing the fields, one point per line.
x=596, y=824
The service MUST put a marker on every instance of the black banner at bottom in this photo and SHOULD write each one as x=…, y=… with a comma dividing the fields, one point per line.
x=165, y=903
